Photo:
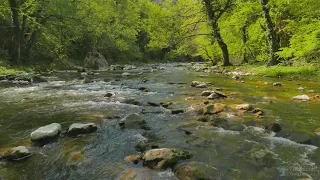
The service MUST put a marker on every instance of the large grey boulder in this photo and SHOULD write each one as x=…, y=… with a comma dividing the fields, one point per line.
x=95, y=60
x=163, y=158
x=133, y=121
x=17, y=153
x=79, y=128
x=46, y=133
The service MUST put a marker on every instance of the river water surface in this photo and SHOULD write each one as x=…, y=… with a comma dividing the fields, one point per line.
x=66, y=100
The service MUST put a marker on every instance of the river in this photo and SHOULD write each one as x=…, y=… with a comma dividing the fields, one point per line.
x=100, y=155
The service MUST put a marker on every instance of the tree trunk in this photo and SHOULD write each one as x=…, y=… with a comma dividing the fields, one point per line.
x=16, y=36
x=271, y=34
x=216, y=31
x=244, y=41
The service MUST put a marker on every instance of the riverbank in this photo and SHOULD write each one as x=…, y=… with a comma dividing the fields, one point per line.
x=308, y=72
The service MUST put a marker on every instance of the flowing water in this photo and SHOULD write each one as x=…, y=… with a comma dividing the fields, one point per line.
x=66, y=100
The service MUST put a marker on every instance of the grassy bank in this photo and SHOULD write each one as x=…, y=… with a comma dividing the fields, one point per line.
x=305, y=72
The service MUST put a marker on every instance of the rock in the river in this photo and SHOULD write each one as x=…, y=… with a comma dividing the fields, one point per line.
x=108, y=95
x=275, y=127
x=133, y=158
x=144, y=89
x=126, y=74
x=87, y=80
x=300, y=89
x=202, y=85
x=95, y=60
x=315, y=140
x=3, y=77
x=204, y=76
x=164, y=157
x=257, y=112
x=301, y=97
x=46, y=133
x=216, y=95
x=277, y=84
x=235, y=77
x=38, y=79
x=227, y=124
x=177, y=111
x=246, y=107
x=131, y=101
x=166, y=104
x=17, y=153
x=79, y=128
x=194, y=171
x=11, y=77
x=215, y=109
x=259, y=157
x=153, y=104
x=91, y=73
x=199, y=84
x=206, y=93
x=142, y=147
x=133, y=121
x=298, y=137
x=129, y=67
x=116, y=67
x=204, y=119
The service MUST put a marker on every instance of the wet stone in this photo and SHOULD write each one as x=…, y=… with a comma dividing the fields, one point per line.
x=177, y=111
x=3, y=77
x=246, y=107
x=227, y=124
x=277, y=84
x=133, y=121
x=194, y=171
x=153, y=104
x=46, y=133
x=301, y=97
x=38, y=79
x=78, y=128
x=164, y=157
x=275, y=127
x=108, y=95
x=17, y=153
x=298, y=137
x=131, y=101
x=204, y=119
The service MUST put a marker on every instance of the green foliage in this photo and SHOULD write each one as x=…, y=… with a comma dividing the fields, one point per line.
x=61, y=33
x=5, y=70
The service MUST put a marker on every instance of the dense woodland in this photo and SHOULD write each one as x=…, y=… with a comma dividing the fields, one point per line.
x=61, y=33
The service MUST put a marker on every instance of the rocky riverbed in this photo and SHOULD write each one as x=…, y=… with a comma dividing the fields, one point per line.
x=164, y=121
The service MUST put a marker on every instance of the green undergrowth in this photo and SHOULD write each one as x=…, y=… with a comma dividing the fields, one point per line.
x=5, y=70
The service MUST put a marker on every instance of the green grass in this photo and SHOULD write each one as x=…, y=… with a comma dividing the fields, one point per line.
x=4, y=70
x=308, y=72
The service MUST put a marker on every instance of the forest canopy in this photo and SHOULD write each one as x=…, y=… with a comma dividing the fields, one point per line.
x=61, y=33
